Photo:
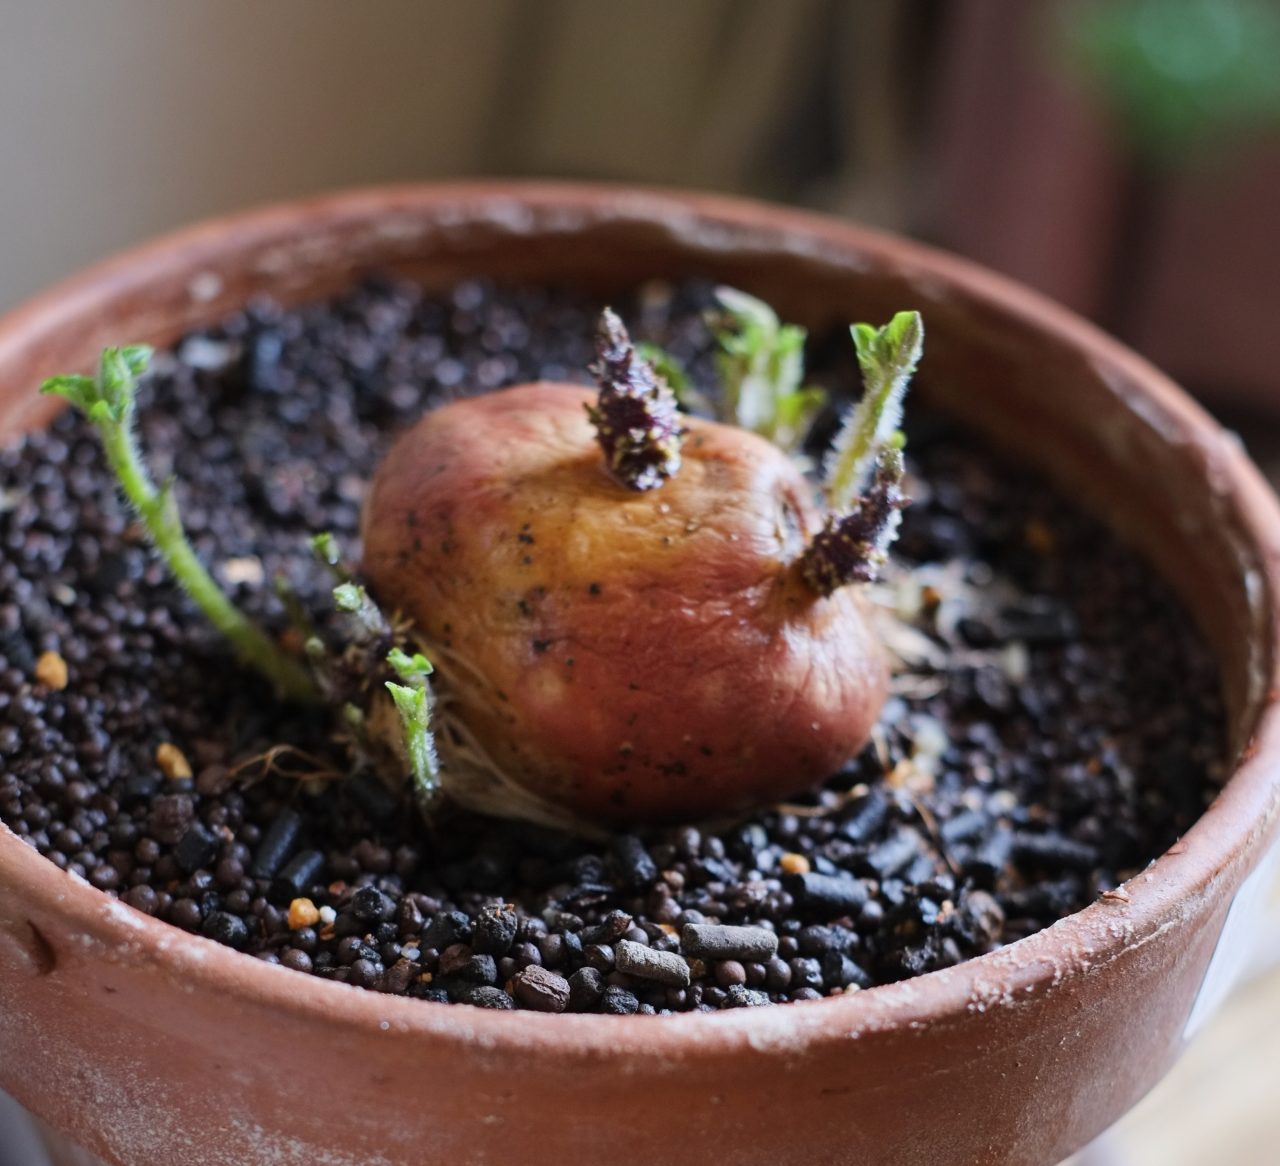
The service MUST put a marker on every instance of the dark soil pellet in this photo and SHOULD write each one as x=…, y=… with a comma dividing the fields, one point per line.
x=542, y=991
x=293, y=881
x=643, y=962
x=865, y=816
x=618, y=1001
x=1053, y=852
x=483, y=996
x=196, y=848
x=1062, y=729
x=226, y=928
x=277, y=844
x=839, y=971
x=990, y=858
x=636, y=868
x=370, y=905
x=830, y=895
x=586, y=987
x=739, y=996
x=495, y=930
x=718, y=942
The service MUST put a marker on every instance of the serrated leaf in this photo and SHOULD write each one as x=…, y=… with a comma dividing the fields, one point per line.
x=367, y=618
x=415, y=722
x=117, y=383
x=114, y=377
x=137, y=357
x=411, y=703
x=411, y=669
x=864, y=341
x=79, y=390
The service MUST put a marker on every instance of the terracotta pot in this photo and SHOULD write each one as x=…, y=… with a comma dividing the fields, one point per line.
x=147, y=1045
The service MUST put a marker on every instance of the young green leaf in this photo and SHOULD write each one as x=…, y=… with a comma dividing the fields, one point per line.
x=353, y=599
x=414, y=708
x=411, y=669
x=109, y=400
x=761, y=365
x=888, y=356
x=81, y=391
x=670, y=368
x=325, y=548
x=349, y=597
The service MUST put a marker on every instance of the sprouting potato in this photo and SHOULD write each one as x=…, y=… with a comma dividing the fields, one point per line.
x=591, y=610
x=612, y=655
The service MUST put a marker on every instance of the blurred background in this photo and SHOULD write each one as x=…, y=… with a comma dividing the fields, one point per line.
x=1123, y=156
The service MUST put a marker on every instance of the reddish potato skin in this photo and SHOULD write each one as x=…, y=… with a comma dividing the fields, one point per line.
x=628, y=657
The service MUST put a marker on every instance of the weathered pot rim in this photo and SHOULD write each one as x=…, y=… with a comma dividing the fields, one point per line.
x=1241, y=818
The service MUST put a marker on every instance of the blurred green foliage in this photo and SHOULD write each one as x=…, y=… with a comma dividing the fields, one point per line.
x=1181, y=74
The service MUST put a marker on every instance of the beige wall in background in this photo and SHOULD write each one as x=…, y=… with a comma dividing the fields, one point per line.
x=122, y=118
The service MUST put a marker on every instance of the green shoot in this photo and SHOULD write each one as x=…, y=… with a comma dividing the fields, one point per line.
x=413, y=704
x=761, y=364
x=672, y=370
x=325, y=548
x=350, y=597
x=411, y=669
x=109, y=401
x=888, y=356
x=353, y=599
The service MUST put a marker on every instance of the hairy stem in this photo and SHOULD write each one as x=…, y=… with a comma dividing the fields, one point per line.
x=888, y=356
x=864, y=470
x=108, y=400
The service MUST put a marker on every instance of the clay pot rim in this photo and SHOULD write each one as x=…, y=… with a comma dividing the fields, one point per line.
x=1243, y=815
